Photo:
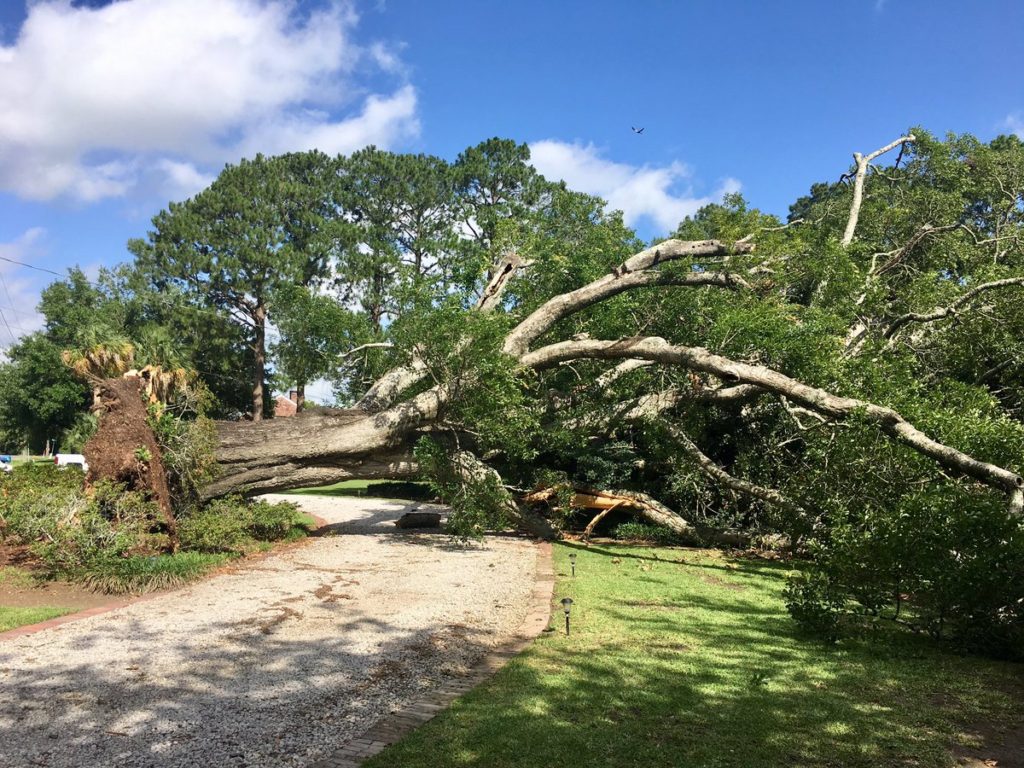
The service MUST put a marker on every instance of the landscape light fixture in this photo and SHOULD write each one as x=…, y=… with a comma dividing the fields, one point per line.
x=566, y=606
x=572, y=564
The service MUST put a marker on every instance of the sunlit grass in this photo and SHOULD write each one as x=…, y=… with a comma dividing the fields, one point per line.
x=686, y=658
x=344, y=488
x=12, y=618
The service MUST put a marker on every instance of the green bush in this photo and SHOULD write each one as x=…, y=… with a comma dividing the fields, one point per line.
x=272, y=522
x=112, y=539
x=655, y=534
x=234, y=525
x=815, y=603
x=70, y=531
x=949, y=563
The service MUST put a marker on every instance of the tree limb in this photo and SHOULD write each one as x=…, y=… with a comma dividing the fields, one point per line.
x=712, y=470
x=819, y=400
x=388, y=387
x=632, y=273
x=862, y=162
x=942, y=312
x=471, y=469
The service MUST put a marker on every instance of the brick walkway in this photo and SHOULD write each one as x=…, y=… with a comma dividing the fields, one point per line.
x=402, y=721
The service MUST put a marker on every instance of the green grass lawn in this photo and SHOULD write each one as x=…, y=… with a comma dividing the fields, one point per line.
x=12, y=618
x=344, y=488
x=17, y=458
x=684, y=658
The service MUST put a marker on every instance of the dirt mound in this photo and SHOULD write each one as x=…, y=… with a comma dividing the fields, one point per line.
x=124, y=448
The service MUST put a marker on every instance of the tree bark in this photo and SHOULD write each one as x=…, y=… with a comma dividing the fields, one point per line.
x=858, y=183
x=259, y=347
x=319, y=448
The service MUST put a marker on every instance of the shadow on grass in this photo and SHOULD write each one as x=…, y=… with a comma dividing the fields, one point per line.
x=664, y=669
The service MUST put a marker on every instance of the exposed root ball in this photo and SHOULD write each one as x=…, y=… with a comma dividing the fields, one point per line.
x=124, y=448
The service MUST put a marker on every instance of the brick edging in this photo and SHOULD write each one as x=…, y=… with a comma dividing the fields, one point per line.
x=31, y=629
x=415, y=713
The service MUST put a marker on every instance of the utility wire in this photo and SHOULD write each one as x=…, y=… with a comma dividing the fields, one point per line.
x=31, y=266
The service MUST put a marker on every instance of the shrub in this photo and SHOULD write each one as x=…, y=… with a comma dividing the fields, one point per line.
x=815, y=603
x=271, y=522
x=233, y=525
x=949, y=563
x=146, y=574
x=220, y=526
x=655, y=534
x=70, y=531
x=107, y=538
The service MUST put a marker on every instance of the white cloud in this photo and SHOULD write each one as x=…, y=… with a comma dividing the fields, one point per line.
x=662, y=194
x=182, y=178
x=19, y=286
x=384, y=121
x=1014, y=123
x=93, y=99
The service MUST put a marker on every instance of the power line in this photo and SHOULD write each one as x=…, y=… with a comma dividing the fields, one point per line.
x=31, y=266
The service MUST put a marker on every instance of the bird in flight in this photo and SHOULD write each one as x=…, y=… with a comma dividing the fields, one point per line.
x=637, y=130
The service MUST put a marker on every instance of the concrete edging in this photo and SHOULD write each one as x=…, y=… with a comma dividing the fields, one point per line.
x=399, y=723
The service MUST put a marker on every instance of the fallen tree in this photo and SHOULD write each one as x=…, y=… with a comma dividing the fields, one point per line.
x=853, y=376
x=376, y=441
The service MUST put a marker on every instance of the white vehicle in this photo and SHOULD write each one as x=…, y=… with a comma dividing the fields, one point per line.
x=64, y=460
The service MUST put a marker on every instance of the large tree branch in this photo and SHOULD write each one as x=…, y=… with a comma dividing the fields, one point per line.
x=819, y=400
x=654, y=404
x=863, y=161
x=632, y=273
x=942, y=312
x=857, y=333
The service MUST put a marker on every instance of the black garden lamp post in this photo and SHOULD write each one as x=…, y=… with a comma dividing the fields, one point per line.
x=566, y=606
x=572, y=563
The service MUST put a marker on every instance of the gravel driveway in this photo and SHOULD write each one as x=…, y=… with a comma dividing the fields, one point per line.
x=272, y=664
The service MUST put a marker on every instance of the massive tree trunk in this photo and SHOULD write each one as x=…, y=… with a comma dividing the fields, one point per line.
x=321, y=447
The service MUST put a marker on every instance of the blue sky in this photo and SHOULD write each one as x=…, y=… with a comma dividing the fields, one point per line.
x=110, y=110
